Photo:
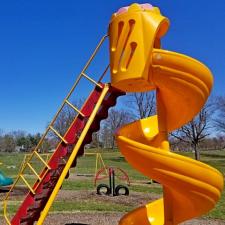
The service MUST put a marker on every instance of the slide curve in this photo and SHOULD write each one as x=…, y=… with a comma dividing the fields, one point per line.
x=182, y=85
x=5, y=181
x=191, y=188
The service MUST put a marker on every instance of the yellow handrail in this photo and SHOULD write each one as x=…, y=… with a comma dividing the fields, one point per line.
x=5, y=212
x=72, y=157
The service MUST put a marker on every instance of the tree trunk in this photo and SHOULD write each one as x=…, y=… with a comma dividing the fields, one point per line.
x=197, y=152
x=113, y=142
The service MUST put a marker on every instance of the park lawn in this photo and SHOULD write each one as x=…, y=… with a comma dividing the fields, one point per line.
x=11, y=163
x=73, y=206
x=86, y=166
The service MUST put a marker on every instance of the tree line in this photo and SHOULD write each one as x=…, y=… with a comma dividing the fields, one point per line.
x=18, y=141
x=205, y=131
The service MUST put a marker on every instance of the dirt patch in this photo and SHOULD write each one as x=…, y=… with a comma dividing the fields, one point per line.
x=107, y=219
x=84, y=219
x=134, y=199
x=204, y=222
x=74, y=176
x=96, y=218
x=17, y=194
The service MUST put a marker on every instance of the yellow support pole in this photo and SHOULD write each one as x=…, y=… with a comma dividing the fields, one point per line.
x=99, y=163
x=96, y=163
x=102, y=162
x=72, y=157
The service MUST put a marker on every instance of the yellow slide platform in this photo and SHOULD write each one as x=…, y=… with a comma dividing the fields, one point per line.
x=182, y=84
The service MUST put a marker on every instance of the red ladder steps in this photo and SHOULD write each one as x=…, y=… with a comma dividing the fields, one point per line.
x=60, y=152
x=30, y=210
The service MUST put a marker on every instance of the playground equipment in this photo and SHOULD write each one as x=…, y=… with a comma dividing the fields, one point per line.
x=5, y=181
x=26, y=158
x=112, y=188
x=182, y=86
x=41, y=195
x=99, y=163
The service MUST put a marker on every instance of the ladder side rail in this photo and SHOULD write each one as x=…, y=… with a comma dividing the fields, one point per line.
x=73, y=88
x=72, y=157
x=104, y=73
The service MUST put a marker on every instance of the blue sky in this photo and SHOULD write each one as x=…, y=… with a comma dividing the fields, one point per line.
x=45, y=44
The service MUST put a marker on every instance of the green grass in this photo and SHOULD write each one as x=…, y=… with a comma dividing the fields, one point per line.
x=78, y=185
x=86, y=165
x=11, y=163
x=146, y=189
x=217, y=160
x=219, y=211
x=11, y=207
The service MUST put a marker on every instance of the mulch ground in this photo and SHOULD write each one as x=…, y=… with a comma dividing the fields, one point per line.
x=106, y=219
x=100, y=218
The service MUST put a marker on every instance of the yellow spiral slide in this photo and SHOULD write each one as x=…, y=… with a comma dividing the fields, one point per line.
x=182, y=84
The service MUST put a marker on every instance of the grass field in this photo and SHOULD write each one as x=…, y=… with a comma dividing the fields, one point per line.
x=86, y=168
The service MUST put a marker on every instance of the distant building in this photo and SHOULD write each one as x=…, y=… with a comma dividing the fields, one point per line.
x=20, y=148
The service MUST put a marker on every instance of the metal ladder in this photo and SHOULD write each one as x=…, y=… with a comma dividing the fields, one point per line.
x=35, y=153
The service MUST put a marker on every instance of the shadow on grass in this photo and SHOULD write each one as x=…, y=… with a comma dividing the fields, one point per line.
x=213, y=155
x=3, y=190
x=118, y=159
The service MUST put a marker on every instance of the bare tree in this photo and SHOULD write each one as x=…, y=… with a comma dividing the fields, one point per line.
x=96, y=143
x=106, y=135
x=116, y=119
x=8, y=143
x=142, y=104
x=196, y=130
x=213, y=143
x=18, y=134
x=66, y=117
x=220, y=115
